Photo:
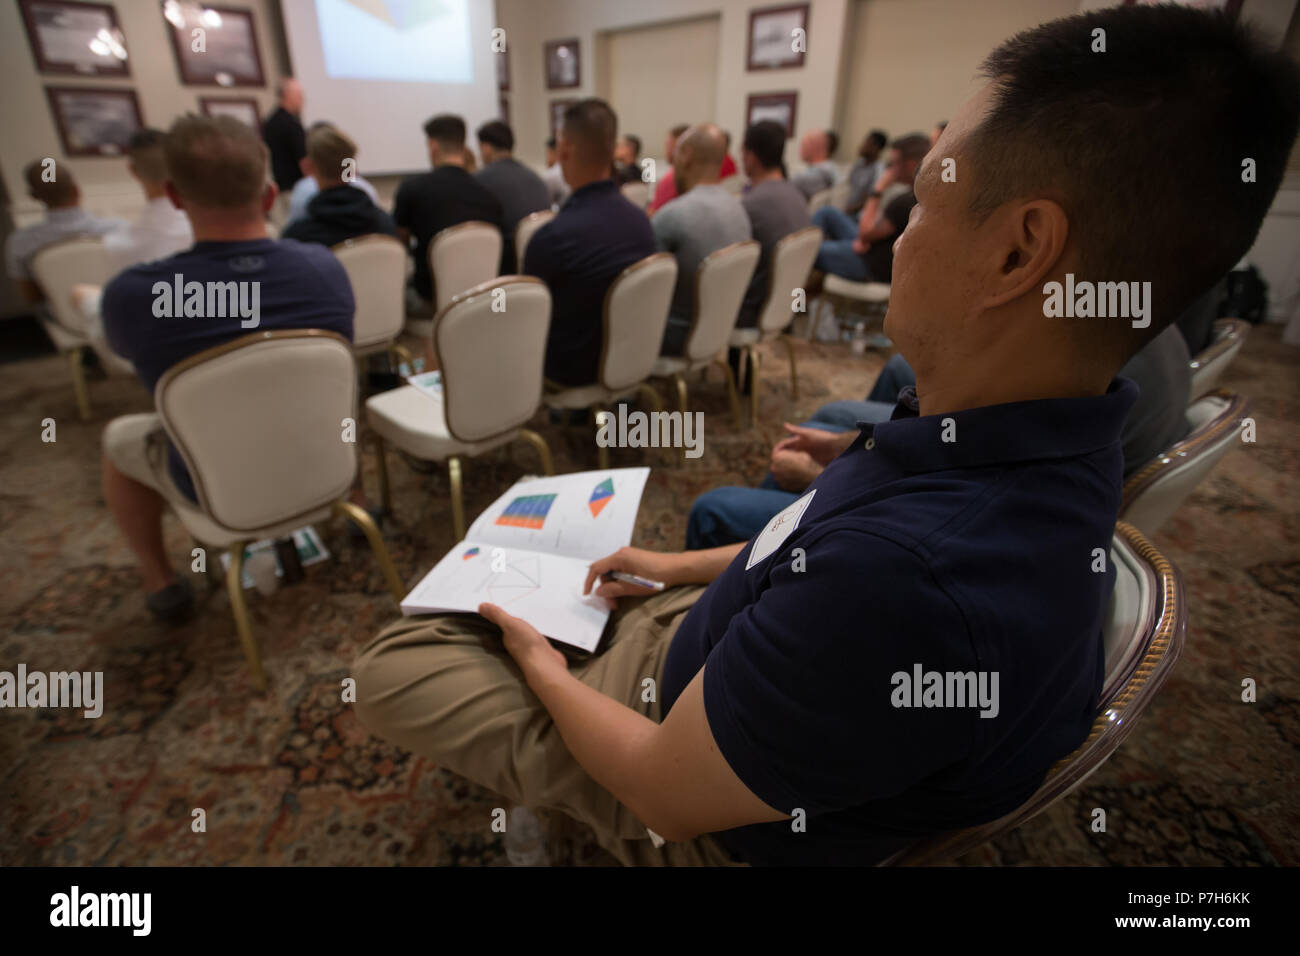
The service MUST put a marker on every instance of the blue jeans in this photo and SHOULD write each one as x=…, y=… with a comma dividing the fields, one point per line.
x=893, y=377
x=836, y=255
x=731, y=514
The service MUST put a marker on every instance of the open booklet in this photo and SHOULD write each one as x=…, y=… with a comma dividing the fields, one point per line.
x=530, y=550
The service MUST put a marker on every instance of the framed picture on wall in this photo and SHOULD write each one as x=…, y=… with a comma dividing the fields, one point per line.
x=242, y=108
x=215, y=46
x=78, y=38
x=557, y=114
x=563, y=69
x=779, y=107
x=772, y=35
x=93, y=121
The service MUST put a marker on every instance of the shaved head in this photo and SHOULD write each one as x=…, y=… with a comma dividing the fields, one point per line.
x=697, y=158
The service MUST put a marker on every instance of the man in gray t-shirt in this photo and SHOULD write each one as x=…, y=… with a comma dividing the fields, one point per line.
x=517, y=188
x=774, y=205
x=703, y=219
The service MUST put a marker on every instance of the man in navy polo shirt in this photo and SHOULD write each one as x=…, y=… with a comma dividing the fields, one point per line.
x=217, y=174
x=910, y=646
x=595, y=236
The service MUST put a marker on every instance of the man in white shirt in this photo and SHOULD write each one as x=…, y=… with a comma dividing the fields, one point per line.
x=161, y=230
x=52, y=185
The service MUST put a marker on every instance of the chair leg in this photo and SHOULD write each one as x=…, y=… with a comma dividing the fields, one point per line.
x=381, y=463
x=794, y=372
x=79, y=383
x=732, y=397
x=681, y=393
x=403, y=354
x=648, y=393
x=239, y=608
x=457, y=505
x=543, y=449
x=750, y=362
x=367, y=524
x=602, y=451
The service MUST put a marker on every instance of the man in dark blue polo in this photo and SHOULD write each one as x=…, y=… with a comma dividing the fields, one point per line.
x=595, y=236
x=910, y=646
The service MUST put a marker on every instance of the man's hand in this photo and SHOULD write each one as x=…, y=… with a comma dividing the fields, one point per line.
x=794, y=470
x=820, y=445
x=531, y=651
x=646, y=564
x=860, y=246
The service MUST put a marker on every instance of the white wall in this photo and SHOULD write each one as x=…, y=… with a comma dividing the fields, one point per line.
x=531, y=23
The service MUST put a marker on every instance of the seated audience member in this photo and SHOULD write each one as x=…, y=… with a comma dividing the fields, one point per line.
x=338, y=211
x=778, y=688
x=594, y=237
x=867, y=170
x=728, y=164
x=518, y=189
x=726, y=515
x=703, y=219
x=161, y=229
x=864, y=251
x=627, y=160
x=54, y=188
x=556, y=187
x=666, y=189
x=937, y=132
x=775, y=209
x=820, y=171
x=431, y=202
x=306, y=188
x=217, y=173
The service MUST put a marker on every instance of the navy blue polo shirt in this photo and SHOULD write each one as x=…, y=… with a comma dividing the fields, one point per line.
x=300, y=285
x=911, y=556
x=595, y=236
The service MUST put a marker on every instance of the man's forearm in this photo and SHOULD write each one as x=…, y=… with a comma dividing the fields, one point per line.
x=701, y=567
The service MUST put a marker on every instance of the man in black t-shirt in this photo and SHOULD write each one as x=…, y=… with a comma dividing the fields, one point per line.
x=864, y=252
x=430, y=202
x=284, y=136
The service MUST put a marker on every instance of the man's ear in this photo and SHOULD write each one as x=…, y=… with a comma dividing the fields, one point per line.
x=1029, y=239
x=173, y=195
x=269, y=193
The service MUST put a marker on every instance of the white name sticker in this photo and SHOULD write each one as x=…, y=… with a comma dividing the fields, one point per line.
x=778, y=529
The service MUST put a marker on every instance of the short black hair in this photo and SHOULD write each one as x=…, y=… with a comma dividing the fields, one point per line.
x=497, y=135
x=592, y=126
x=766, y=140
x=832, y=142
x=1144, y=144
x=447, y=130
x=635, y=141
x=912, y=146
x=879, y=137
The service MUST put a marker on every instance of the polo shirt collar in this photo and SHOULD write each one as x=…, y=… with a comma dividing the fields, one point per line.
x=1001, y=434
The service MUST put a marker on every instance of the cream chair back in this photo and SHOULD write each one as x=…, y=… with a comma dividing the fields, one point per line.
x=525, y=231
x=720, y=284
x=376, y=267
x=491, y=344
x=636, y=313
x=792, y=261
x=1158, y=489
x=64, y=264
x=262, y=423
x=1209, y=365
x=637, y=193
x=461, y=257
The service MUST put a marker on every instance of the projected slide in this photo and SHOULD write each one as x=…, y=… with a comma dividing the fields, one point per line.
x=420, y=41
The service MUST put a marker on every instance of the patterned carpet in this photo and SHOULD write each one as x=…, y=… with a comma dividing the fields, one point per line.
x=291, y=778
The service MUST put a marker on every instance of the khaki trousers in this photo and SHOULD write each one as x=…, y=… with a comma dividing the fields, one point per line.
x=444, y=687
